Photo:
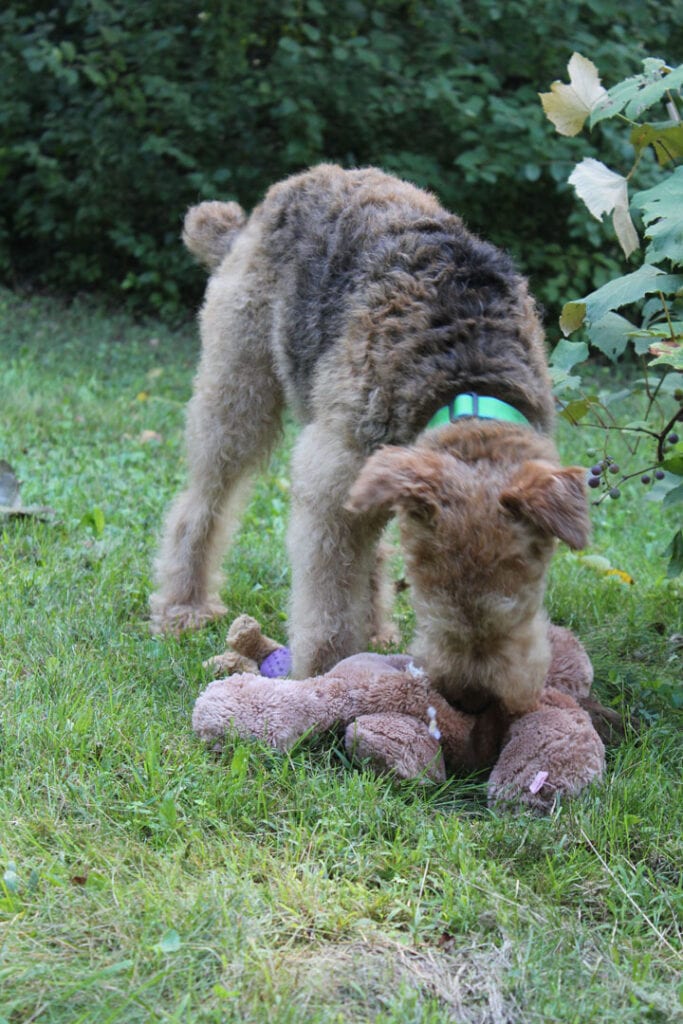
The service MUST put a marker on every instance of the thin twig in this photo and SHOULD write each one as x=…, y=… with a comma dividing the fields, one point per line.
x=676, y=418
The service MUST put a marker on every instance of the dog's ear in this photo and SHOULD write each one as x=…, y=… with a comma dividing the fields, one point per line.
x=395, y=478
x=553, y=499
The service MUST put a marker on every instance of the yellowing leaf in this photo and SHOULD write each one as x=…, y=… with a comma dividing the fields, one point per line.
x=568, y=106
x=603, y=566
x=668, y=353
x=573, y=316
x=621, y=575
x=142, y=396
x=666, y=140
x=148, y=436
x=580, y=407
x=604, y=191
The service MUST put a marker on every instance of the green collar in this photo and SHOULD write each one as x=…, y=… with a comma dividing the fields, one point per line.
x=482, y=406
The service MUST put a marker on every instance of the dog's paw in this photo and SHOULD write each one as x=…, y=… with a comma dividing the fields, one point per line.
x=179, y=618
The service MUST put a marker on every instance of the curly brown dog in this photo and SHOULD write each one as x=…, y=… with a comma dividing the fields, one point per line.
x=358, y=300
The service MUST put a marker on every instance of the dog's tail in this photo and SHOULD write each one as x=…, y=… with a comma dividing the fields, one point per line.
x=210, y=230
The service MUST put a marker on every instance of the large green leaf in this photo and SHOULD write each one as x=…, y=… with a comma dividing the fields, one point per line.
x=675, y=552
x=661, y=208
x=610, y=334
x=567, y=354
x=636, y=94
x=615, y=294
x=623, y=291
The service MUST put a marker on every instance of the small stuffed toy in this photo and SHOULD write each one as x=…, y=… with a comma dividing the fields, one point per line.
x=395, y=720
x=248, y=650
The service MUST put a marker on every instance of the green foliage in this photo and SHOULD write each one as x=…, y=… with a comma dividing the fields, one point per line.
x=661, y=210
x=651, y=298
x=114, y=117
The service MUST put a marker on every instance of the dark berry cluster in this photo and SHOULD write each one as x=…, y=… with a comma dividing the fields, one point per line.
x=598, y=476
x=602, y=475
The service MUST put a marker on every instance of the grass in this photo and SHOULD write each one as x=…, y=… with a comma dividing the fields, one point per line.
x=145, y=879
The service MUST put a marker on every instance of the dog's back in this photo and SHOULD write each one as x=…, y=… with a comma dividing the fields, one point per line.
x=385, y=302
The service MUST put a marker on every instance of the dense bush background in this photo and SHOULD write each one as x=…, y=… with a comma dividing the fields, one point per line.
x=114, y=117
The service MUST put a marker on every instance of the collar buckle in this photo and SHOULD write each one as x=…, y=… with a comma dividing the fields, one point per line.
x=483, y=407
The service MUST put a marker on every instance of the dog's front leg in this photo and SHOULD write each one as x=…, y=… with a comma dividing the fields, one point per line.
x=332, y=553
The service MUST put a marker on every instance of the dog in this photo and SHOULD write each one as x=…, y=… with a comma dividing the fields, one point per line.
x=413, y=354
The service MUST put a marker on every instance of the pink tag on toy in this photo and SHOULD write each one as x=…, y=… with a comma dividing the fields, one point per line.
x=539, y=780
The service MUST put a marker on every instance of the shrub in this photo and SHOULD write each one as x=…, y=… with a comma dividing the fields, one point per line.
x=114, y=117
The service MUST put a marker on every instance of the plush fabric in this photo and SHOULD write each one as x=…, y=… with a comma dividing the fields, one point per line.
x=392, y=718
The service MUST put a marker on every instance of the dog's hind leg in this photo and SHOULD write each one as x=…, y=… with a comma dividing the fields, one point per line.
x=333, y=554
x=233, y=419
x=226, y=442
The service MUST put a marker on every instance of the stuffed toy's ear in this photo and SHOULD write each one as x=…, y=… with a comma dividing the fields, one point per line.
x=398, y=478
x=552, y=499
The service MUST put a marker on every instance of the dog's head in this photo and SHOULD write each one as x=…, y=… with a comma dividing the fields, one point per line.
x=454, y=501
x=477, y=540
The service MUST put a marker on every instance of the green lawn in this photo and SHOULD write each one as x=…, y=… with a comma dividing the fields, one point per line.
x=148, y=879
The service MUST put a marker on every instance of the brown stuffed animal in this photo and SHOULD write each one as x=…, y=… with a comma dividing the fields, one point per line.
x=394, y=719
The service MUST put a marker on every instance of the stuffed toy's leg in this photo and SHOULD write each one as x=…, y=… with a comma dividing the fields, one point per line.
x=550, y=752
x=281, y=711
x=398, y=744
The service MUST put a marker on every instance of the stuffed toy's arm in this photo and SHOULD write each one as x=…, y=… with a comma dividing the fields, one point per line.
x=276, y=711
x=281, y=711
x=570, y=667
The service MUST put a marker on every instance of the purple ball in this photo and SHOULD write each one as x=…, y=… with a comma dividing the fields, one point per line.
x=278, y=664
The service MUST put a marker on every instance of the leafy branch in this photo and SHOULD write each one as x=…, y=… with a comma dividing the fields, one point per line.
x=640, y=312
